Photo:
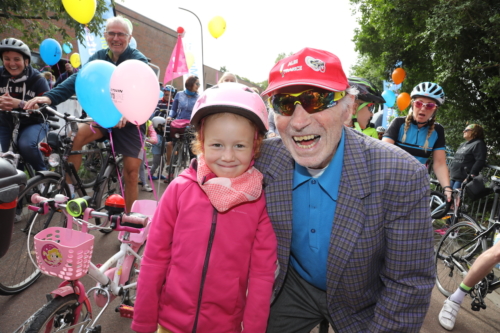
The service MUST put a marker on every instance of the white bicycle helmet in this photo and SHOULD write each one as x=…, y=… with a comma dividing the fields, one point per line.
x=380, y=129
x=12, y=44
x=234, y=98
x=158, y=121
x=430, y=90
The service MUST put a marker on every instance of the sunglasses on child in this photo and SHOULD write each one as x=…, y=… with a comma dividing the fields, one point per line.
x=428, y=106
x=311, y=100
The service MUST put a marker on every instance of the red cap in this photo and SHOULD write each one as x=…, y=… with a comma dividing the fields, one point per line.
x=310, y=67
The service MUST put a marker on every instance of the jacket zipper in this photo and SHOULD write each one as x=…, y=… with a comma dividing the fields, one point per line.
x=205, y=267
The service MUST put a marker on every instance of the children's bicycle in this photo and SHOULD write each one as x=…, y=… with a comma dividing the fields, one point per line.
x=66, y=253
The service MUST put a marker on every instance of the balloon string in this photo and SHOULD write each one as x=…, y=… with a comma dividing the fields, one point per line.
x=92, y=129
x=143, y=143
x=117, y=169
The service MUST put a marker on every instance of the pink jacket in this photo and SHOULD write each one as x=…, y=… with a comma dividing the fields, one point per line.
x=243, y=258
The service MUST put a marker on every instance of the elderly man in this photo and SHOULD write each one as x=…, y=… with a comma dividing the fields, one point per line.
x=125, y=135
x=350, y=212
x=69, y=71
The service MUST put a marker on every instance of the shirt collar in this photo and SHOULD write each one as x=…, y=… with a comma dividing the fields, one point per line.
x=330, y=179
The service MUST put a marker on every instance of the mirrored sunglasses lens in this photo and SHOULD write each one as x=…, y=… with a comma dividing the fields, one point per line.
x=430, y=106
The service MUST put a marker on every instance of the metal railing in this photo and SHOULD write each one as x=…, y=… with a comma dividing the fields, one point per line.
x=479, y=209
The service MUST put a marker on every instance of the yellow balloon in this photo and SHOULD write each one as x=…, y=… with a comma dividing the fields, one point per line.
x=189, y=59
x=75, y=60
x=81, y=11
x=217, y=26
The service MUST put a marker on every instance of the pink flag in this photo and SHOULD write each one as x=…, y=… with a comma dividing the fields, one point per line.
x=177, y=66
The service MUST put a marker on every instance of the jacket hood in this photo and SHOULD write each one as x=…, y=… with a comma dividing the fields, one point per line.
x=27, y=74
x=190, y=173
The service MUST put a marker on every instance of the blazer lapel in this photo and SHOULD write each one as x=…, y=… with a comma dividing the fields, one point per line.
x=349, y=214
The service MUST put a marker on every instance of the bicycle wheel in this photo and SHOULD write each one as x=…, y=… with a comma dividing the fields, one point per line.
x=17, y=272
x=111, y=184
x=91, y=165
x=182, y=159
x=174, y=161
x=450, y=270
x=57, y=315
x=440, y=226
x=131, y=293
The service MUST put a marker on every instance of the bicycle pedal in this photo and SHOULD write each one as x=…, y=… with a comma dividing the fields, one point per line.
x=126, y=311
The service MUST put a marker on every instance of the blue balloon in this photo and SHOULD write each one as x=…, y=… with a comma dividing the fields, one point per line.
x=67, y=47
x=133, y=43
x=93, y=92
x=50, y=51
x=161, y=94
x=390, y=98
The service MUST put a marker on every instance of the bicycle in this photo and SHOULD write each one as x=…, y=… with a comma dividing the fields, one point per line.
x=17, y=271
x=66, y=253
x=181, y=134
x=16, y=274
x=462, y=243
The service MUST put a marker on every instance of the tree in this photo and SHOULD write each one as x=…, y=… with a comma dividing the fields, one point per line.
x=223, y=69
x=36, y=19
x=455, y=43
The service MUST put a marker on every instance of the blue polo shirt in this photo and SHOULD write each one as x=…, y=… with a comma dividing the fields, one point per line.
x=314, y=204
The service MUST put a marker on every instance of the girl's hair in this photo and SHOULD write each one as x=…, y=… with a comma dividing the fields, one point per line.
x=430, y=123
x=197, y=143
x=190, y=82
x=227, y=74
x=476, y=132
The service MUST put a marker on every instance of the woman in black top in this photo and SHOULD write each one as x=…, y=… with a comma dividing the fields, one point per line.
x=470, y=156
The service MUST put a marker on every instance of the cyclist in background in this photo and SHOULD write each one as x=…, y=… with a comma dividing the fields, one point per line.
x=159, y=127
x=482, y=266
x=126, y=137
x=19, y=82
x=420, y=135
x=366, y=101
x=184, y=100
x=380, y=132
x=166, y=102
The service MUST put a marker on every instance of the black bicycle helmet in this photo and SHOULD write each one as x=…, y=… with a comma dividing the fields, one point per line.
x=367, y=91
x=12, y=44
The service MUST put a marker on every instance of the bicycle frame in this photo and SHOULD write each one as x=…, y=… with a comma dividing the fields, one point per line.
x=111, y=279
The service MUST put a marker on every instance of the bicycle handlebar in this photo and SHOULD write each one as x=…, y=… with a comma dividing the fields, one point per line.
x=133, y=220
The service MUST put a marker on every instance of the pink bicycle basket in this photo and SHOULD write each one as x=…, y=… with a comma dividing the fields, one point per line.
x=63, y=252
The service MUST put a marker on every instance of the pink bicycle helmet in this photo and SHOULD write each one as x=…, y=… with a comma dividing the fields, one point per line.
x=234, y=98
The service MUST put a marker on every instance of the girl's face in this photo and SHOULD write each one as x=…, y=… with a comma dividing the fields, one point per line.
x=228, y=144
x=364, y=116
x=14, y=63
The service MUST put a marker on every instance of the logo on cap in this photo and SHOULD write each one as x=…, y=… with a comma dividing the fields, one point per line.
x=316, y=64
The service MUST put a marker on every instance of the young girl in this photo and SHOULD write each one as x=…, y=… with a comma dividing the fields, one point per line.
x=210, y=258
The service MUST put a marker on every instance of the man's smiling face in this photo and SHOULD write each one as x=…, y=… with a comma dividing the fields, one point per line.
x=312, y=139
x=117, y=44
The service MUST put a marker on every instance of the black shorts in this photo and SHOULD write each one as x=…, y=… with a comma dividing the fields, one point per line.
x=126, y=140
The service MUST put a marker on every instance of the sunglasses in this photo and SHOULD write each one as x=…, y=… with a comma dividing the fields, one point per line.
x=371, y=106
x=428, y=106
x=467, y=130
x=112, y=34
x=311, y=100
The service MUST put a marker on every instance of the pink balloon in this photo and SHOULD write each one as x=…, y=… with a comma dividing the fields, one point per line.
x=134, y=90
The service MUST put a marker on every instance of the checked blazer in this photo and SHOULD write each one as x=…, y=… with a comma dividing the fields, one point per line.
x=380, y=269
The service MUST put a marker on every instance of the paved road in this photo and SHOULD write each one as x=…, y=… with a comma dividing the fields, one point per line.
x=14, y=310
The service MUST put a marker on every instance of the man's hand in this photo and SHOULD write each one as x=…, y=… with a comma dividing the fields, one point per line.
x=121, y=123
x=6, y=102
x=271, y=135
x=169, y=120
x=34, y=102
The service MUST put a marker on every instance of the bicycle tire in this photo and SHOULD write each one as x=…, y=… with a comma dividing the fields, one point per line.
x=91, y=165
x=183, y=159
x=133, y=276
x=450, y=273
x=56, y=315
x=17, y=270
x=110, y=184
x=174, y=161
x=440, y=226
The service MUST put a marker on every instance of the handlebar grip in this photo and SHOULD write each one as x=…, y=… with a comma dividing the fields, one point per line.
x=52, y=118
x=37, y=198
x=134, y=220
x=441, y=210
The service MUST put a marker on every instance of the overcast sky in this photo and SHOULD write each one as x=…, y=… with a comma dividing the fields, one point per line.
x=257, y=31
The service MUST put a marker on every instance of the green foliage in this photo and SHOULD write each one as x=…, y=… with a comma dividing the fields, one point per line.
x=35, y=19
x=223, y=69
x=455, y=43
x=282, y=55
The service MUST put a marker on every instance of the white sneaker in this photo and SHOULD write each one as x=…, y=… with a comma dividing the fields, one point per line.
x=448, y=314
x=147, y=188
